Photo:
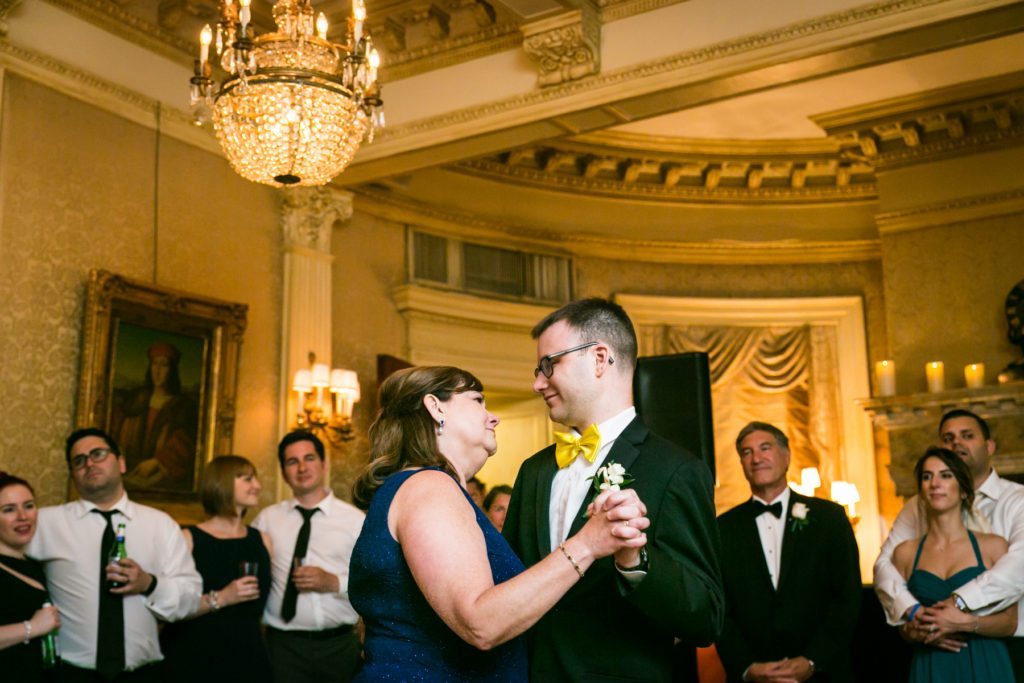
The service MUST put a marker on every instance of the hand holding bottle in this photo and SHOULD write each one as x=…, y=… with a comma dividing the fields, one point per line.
x=45, y=619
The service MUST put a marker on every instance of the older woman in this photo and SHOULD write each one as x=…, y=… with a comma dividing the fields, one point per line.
x=947, y=556
x=222, y=642
x=442, y=595
x=22, y=585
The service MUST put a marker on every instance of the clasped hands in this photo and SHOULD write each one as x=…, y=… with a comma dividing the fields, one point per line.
x=942, y=625
x=786, y=670
x=619, y=519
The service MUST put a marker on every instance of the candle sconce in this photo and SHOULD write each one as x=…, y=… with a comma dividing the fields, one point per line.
x=331, y=416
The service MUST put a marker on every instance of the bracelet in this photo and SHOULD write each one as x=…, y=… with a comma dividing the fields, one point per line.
x=212, y=597
x=913, y=611
x=575, y=566
x=28, y=631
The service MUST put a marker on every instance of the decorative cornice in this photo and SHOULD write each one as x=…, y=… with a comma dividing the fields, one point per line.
x=566, y=47
x=383, y=204
x=687, y=178
x=953, y=211
x=5, y=8
x=613, y=10
x=467, y=310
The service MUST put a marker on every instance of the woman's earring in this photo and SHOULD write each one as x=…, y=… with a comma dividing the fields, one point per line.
x=440, y=427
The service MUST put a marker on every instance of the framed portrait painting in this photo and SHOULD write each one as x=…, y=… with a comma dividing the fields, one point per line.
x=159, y=373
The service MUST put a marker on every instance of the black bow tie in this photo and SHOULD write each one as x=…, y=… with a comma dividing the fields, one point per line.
x=760, y=508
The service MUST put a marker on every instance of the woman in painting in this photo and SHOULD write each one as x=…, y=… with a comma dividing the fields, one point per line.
x=947, y=556
x=156, y=425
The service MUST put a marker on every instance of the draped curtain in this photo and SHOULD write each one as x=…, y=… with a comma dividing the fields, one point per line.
x=783, y=375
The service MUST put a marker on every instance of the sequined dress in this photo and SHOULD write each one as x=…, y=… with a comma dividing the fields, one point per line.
x=405, y=639
x=984, y=660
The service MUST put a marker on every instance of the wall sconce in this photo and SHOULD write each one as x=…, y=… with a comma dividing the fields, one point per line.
x=846, y=494
x=334, y=416
x=810, y=481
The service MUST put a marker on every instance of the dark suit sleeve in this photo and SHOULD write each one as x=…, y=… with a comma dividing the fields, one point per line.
x=734, y=650
x=682, y=591
x=513, y=516
x=842, y=610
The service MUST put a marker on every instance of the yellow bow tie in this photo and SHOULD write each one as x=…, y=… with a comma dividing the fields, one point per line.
x=568, y=446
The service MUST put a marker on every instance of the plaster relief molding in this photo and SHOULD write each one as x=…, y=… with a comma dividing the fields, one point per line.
x=955, y=211
x=566, y=47
x=613, y=10
x=720, y=252
x=5, y=8
x=466, y=309
x=106, y=95
x=308, y=216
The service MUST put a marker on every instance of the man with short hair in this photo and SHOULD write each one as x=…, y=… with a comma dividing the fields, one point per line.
x=477, y=491
x=310, y=622
x=622, y=617
x=791, y=574
x=109, y=611
x=1001, y=503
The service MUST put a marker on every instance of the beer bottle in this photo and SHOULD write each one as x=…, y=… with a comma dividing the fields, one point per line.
x=51, y=647
x=118, y=552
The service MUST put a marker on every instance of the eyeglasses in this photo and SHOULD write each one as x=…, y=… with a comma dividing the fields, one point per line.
x=95, y=455
x=546, y=364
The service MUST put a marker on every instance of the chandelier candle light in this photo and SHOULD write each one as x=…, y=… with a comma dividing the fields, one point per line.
x=317, y=414
x=293, y=107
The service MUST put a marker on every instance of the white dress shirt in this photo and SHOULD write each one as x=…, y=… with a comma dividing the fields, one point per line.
x=569, y=486
x=1001, y=502
x=332, y=535
x=67, y=542
x=771, y=529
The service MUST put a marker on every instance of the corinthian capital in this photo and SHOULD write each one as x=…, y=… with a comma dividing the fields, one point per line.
x=566, y=47
x=309, y=213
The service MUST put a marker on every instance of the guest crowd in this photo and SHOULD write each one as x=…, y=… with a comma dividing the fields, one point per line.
x=604, y=561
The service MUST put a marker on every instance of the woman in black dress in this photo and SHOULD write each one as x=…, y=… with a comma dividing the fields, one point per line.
x=23, y=619
x=222, y=640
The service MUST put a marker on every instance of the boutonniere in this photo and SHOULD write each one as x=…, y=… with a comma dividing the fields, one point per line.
x=611, y=477
x=798, y=517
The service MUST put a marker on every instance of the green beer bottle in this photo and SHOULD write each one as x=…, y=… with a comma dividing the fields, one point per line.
x=51, y=647
x=118, y=552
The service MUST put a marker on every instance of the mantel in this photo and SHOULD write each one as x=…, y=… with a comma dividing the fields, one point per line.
x=989, y=399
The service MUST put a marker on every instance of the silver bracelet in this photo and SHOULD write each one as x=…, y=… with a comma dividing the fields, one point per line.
x=212, y=596
x=28, y=631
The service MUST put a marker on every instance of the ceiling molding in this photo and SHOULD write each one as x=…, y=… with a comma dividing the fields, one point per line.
x=383, y=204
x=950, y=212
x=823, y=147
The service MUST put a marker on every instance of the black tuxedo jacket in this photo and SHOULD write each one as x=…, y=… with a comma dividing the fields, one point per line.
x=603, y=630
x=814, y=611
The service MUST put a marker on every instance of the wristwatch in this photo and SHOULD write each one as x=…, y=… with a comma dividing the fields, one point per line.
x=811, y=663
x=641, y=567
x=959, y=602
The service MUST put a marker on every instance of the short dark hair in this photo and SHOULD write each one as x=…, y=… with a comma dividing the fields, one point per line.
x=960, y=412
x=474, y=480
x=217, y=489
x=295, y=436
x=596, y=319
x=494, y=493
x=8, y=479
x=80, y=434
x=955, y=464
x=752, y=427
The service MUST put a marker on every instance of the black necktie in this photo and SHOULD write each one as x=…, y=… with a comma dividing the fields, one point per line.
x=110, y=632
x=760, y=508
x=291, y=593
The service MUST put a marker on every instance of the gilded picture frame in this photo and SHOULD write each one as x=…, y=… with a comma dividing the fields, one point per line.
x=159, y=372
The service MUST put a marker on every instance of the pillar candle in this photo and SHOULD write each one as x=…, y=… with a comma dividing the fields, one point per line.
x=974, y=374
x=935, y=372
x=885, y=377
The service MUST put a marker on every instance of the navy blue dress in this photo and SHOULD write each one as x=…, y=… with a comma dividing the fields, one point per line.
x=984, y=660
x=405, y=639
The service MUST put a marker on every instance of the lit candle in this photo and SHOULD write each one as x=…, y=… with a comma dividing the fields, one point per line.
x=359, y=14
x=974, y=374
x=244, y=16
x=321, y=26
x=205, y=36
x=374, y=60
x=885, y=377
x=935, y=373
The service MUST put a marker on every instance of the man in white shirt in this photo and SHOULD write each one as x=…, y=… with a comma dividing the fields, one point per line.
x=1001, y=503
x=310, y=622
x=791, y=574
x=109, y=611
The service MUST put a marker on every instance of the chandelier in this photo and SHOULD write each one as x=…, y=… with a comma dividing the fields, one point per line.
x=293, y=107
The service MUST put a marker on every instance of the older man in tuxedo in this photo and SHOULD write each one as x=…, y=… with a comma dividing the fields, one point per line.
x=618, y=623
x=791, y=574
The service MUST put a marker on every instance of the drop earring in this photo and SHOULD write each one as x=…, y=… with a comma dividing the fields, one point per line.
x=440, y=427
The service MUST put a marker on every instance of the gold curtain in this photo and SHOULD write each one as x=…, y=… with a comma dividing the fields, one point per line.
x=783, y=375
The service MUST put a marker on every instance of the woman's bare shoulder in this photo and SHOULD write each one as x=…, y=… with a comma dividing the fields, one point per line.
x=993, y=546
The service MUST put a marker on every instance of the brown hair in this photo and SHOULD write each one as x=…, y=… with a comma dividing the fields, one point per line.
x=217, y=490
x=7, y=479
x=956, y=465
x=403, y=433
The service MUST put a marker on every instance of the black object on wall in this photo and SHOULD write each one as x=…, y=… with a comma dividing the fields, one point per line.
x=673, y=397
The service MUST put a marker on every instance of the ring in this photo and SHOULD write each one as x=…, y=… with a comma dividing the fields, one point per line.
x=932, y=629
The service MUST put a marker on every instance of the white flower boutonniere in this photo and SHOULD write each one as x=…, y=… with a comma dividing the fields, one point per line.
x=798, y=517
x=611, y=477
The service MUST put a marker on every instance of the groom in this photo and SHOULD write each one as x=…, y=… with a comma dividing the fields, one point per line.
x=621, y=619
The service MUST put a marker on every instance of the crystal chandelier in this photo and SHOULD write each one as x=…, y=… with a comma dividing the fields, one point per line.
x=293, y=107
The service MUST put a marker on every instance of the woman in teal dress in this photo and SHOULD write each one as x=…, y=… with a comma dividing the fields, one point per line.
x=946, y=557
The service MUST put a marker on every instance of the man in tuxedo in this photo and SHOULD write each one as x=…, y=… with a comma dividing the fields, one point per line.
x=791, y=574
x=620, y=620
